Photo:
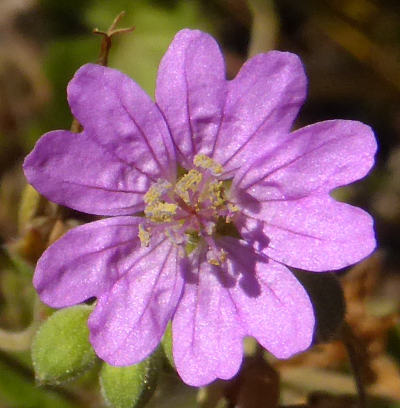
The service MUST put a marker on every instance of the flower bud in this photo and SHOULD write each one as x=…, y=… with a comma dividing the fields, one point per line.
x=61, y=350
x=131, y=386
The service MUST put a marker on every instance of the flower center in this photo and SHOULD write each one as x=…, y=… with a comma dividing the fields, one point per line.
x=192, y=211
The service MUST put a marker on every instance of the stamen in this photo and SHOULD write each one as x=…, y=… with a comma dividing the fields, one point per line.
x=215, y=193
x=215, y=256
x=144, y=236
x=156, y=191
x=190, y=181
x=192, y=210
x=219, y=257
x=232, y=210
x=207, y=163
x=159, y=211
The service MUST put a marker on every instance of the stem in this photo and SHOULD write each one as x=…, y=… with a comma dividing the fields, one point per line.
x=107, y=36
x=265, y=27
x=350, y=341
x=105, y=47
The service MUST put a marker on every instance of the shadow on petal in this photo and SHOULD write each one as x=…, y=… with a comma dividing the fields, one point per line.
x=244, y=199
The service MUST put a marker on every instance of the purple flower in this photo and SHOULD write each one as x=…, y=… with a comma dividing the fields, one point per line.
x=211, y=195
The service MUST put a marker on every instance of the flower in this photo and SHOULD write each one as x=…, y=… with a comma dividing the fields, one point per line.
x=211, y=197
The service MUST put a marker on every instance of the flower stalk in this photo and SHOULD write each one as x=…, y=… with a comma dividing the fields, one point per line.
x=106, y=41
x=351, y=343
x=105, y=48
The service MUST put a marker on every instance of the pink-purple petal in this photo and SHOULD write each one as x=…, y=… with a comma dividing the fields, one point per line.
x=74, y=170
x=86, y=261
x=119, y=115
x=129, y=321
x=270, y=302
x=207, y=334
x=190, y=91
x=314, y=233
x=261, y=106
x=316, y=158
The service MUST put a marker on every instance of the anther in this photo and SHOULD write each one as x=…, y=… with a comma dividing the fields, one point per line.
x=207, y=163
x=156, y=191
x=144, y=236
x=219, y=257
x=190, y=181
x=159, y=211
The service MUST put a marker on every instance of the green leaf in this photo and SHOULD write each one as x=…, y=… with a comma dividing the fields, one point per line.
x=61, y=350
x=132, y=386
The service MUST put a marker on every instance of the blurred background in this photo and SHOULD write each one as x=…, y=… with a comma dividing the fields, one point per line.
x=351, y=53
